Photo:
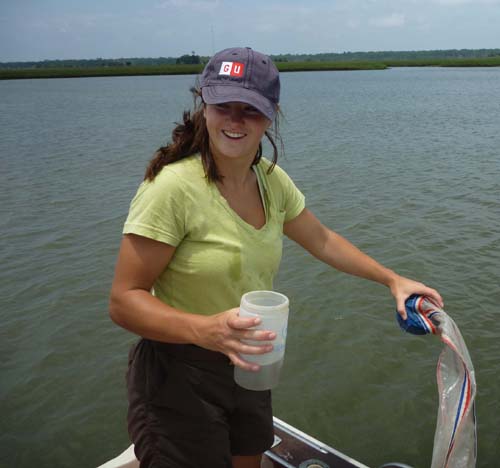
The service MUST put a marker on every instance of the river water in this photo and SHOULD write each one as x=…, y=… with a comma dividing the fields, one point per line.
x=403, y=162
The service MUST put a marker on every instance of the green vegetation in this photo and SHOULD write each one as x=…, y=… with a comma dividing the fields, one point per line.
x=387, y=56
x=130, y=67
x=101, y=71
x=189, y=59
x=171, y=70
x=322, y=66
x=447, y=62
x=90, y=63
x=390, y=56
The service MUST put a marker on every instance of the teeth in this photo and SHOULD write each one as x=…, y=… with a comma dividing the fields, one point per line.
x=233, y=135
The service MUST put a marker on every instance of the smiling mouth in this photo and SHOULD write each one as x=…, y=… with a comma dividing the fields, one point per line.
x=233, y=135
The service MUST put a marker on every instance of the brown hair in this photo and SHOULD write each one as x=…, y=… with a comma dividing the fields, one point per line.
x=191, y=136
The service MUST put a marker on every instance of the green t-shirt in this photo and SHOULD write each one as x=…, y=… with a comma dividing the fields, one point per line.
x=218, y=255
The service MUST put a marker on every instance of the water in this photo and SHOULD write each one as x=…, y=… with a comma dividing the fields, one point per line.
x=404, y=162
x=268, y=376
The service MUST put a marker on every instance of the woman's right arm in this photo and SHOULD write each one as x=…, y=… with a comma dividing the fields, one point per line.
x=133, y=307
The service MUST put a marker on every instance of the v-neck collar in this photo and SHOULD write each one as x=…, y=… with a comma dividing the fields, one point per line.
x=263, y=197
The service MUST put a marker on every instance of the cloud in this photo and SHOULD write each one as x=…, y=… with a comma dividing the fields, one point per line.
x=276, y=18
x=66, y=23
x=394, y=20
x=465, y=2
x=190, y=4
x=353, y=23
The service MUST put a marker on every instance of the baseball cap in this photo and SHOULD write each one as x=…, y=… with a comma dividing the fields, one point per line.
x=241, y=74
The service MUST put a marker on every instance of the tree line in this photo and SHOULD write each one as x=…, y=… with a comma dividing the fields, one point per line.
x=197, y=59
x=387, y=55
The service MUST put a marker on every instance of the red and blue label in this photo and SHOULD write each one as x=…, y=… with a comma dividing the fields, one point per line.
x=235, y=69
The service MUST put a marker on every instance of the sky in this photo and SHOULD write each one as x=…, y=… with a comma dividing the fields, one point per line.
x=32, y=30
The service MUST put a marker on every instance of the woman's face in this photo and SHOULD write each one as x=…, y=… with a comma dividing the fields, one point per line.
x=235, y=129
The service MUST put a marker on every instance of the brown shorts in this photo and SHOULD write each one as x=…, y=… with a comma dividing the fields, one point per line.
x=185, y=410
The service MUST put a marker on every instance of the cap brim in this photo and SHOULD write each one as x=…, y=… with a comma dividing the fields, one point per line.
x=225, y=93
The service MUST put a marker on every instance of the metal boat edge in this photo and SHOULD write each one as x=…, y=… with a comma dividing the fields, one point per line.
x=294, y=448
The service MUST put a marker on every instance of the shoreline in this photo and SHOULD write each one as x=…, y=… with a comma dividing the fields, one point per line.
x=139, y=70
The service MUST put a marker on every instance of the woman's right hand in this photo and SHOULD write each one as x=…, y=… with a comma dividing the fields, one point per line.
x=225, y=331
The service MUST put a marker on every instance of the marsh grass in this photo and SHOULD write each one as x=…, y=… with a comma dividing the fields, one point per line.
x=449, y=62
x=29, y=73
x=322, y=66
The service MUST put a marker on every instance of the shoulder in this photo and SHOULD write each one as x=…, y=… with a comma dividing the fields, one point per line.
x=282, y=189
x=186, y=174
x=184, y=171
x=277, y=176
x=172, y=181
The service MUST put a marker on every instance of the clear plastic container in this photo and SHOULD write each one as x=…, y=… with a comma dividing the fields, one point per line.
x=272, y=308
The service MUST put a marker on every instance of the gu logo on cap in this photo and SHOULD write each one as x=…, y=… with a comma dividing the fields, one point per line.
x=240, y=74
x=232, y=68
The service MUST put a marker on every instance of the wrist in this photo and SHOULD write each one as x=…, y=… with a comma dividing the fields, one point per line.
x=199, y=328
x=389, y=278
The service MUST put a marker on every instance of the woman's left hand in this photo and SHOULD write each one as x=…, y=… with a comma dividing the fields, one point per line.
x=402, y=288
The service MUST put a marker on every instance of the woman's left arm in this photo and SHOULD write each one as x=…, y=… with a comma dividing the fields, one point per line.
x=339, y=253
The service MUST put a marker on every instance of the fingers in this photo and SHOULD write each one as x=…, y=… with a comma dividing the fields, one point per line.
x=435, y=296
x=432, y=294
x=245, y=365
x=403, y=288
x=237, y=360
x=240, y=347
x=245, y=327
x=244, y=348
x=256, y=335
x=236, y=336
x=400, y=306
x=240, y=323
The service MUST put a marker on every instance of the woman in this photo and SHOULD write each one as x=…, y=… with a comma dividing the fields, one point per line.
x=205, y=227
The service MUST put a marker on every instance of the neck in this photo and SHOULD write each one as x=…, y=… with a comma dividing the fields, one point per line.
x=236, y=173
